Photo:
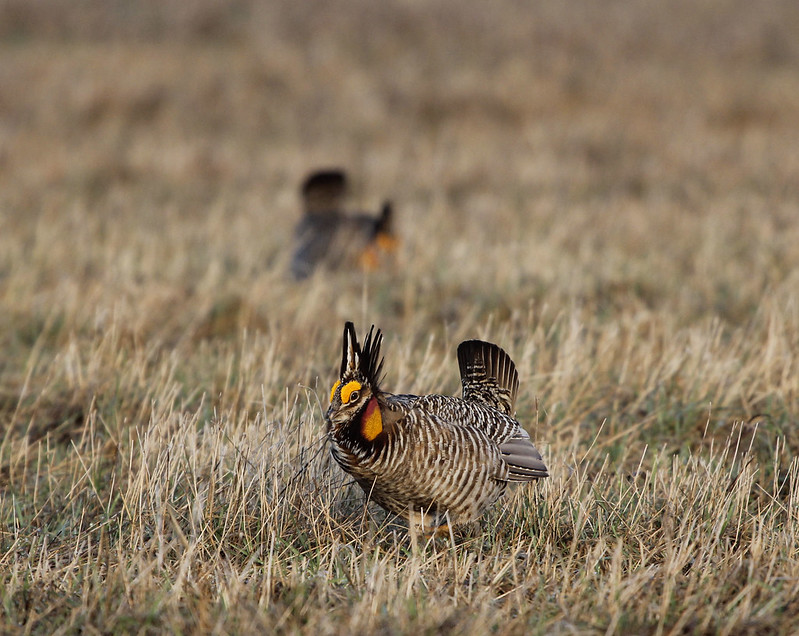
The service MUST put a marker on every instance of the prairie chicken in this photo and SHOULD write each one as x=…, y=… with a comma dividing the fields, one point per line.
x=326, y=235
x=421, y=457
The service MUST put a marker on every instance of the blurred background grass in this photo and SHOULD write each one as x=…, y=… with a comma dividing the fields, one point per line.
x=607, y=190
x=624, y=163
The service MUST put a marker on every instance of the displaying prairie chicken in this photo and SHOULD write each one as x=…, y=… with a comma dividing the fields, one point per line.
x=327, y=235
x=422, y=457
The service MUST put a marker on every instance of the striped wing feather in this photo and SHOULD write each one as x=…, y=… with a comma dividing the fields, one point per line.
x=523, y=459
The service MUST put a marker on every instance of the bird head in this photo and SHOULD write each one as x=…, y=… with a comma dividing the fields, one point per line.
x=354, y=408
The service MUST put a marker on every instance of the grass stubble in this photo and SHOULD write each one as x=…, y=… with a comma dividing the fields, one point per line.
x=622, y=224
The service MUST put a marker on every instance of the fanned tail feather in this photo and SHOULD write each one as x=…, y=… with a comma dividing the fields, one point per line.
x=323, y=191
x=488, y=375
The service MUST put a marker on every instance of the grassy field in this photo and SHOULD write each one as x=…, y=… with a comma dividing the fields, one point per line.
x=607, y=190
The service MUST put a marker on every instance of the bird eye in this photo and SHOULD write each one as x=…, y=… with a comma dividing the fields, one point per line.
x=350, y=391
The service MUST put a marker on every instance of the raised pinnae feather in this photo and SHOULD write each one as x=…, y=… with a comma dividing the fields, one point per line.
x=371, y=363
x=366, y=361
x=488, y=375
x=384, y=222
x=351, y=351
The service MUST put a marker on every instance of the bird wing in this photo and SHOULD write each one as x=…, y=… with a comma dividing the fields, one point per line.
x=523, y=459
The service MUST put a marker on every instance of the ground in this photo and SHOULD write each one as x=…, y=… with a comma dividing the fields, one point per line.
x=606, y=190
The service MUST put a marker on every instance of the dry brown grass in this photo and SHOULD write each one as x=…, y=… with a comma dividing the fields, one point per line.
x=606, y=190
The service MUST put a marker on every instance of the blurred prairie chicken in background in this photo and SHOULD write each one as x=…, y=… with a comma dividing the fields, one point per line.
x=422, y=457
x=327, y=235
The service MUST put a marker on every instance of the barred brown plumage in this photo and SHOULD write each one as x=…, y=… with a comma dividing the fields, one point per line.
x=427, y=457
